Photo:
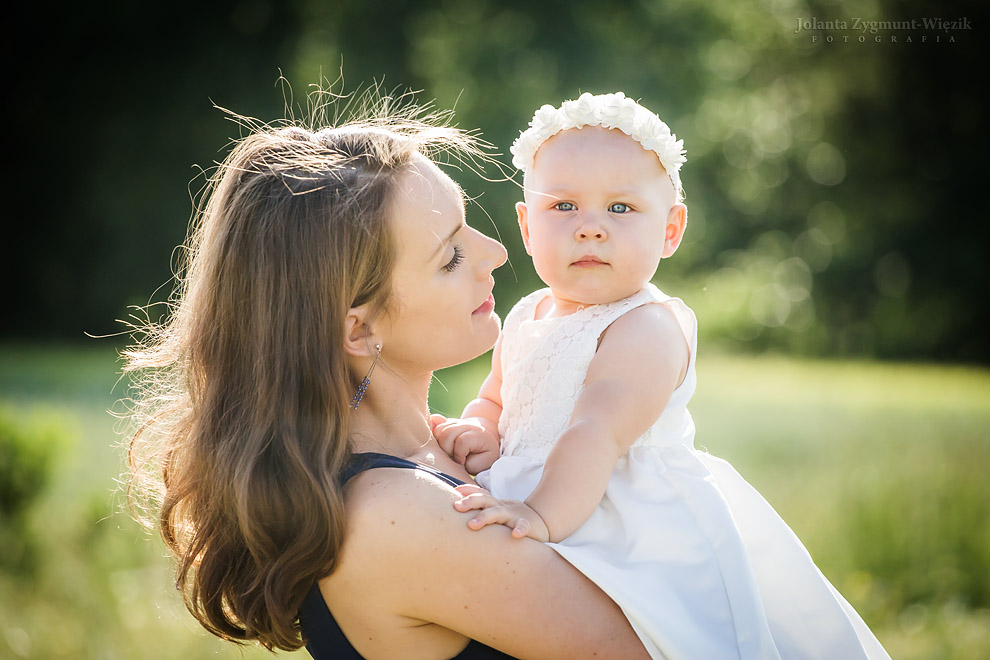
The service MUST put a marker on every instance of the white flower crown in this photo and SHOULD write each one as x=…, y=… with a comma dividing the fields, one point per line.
x=609, y=111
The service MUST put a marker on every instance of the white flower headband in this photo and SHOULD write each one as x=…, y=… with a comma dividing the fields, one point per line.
x=609, y=111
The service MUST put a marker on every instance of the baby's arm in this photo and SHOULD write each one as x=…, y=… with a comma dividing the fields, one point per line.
x=642, y=358
x=473, y=439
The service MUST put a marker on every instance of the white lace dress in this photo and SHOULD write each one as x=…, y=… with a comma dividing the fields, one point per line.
x=700, y=563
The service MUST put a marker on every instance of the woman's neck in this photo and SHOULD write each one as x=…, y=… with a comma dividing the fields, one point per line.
x=393, y=417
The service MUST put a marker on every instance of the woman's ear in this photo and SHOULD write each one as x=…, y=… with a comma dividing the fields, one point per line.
x=523, y=224
x=676, y=224
x=359, y=336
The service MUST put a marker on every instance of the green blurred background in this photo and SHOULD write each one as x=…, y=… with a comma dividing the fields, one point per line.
x=835, y=256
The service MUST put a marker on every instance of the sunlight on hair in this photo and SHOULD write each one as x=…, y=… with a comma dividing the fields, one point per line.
x=240, y=388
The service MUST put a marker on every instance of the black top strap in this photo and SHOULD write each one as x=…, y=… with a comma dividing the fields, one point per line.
x=324, y=638
x=370, y=460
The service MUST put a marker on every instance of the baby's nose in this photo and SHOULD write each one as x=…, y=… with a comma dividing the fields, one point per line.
x=590, y=231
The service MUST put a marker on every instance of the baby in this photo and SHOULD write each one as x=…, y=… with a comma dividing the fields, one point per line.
x=585, y=410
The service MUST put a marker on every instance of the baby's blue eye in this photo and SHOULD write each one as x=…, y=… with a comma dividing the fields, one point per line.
x=455, y=260
x=564, y=206
x=619, y=207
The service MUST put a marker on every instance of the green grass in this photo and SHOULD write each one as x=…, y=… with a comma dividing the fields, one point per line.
x=879, y=469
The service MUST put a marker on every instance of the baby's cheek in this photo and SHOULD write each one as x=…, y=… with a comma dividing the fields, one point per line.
x=543, y=253
x=645, y=262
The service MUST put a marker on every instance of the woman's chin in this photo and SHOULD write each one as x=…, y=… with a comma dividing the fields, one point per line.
x=493, y=327
x=485, y=342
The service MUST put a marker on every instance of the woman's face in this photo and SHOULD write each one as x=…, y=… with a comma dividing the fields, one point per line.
x=442, y=312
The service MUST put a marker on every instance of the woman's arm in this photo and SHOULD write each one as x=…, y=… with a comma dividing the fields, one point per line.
x=410, y=556
x=642, y=358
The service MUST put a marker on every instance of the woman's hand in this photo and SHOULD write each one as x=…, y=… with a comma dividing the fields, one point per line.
x=523, y=519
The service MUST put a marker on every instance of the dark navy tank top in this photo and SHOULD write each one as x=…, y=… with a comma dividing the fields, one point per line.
x=324, y=638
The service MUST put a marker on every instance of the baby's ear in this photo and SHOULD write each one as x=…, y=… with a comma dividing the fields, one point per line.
x=521, y=212
x=676, y=223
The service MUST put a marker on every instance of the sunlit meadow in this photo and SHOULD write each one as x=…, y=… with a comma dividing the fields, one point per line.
x=879, y=468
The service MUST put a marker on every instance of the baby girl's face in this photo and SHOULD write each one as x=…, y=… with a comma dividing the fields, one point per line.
x=596, y=214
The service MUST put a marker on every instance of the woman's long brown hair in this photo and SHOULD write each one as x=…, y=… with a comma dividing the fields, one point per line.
x=242, y=396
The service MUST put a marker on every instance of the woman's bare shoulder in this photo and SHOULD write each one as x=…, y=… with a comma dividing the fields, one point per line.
x=413, y=553
x=395, y=518
x=390, y=508
x=383, y=498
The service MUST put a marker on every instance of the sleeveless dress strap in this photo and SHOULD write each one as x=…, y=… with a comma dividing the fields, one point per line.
x=321, y=632
x=371, y=460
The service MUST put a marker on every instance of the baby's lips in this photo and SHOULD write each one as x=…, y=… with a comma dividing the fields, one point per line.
x=589, y=260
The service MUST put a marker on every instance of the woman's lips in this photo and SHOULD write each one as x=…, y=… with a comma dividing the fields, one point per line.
x=589, y=261
x=487, y=306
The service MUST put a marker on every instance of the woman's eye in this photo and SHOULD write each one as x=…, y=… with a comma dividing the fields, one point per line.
x=619, y=207
x=564, y=206
x=455, y=260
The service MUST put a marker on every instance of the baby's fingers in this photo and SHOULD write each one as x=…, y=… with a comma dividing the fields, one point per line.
x=466, y=443
x=474, y=498
x=447, y=434
x=493, y=515
x=436, y=420
x=521, y=528
x=480, y=461
x=468, y=489
x=472, y=502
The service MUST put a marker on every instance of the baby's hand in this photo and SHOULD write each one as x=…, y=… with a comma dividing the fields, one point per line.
x=523, y=520
x=472, y=442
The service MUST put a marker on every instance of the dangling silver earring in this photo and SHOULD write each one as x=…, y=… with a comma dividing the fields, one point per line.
x=363, y=387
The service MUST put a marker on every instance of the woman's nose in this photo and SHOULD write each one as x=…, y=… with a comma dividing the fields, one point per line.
x=493, y=256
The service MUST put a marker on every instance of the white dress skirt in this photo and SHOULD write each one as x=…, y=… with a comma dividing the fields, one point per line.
x=700, y=563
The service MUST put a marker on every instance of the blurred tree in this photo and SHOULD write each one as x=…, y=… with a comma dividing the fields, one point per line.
x=831, y=174
x=111, y=108
x=28, y=448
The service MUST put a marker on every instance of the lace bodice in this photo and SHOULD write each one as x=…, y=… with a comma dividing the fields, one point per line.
x=545, y=361
x=701, y=565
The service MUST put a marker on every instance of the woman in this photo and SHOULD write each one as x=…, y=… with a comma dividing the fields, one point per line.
x=321, y=258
